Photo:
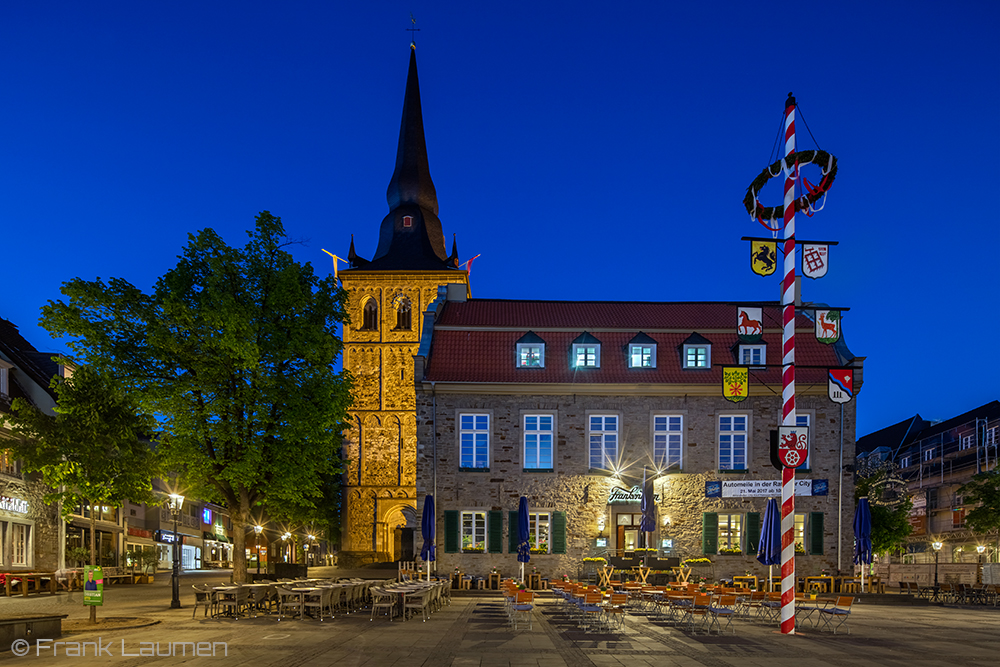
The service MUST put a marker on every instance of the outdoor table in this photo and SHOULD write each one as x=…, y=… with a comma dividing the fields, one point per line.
x=494, y=581
x=825, y=581
x=605, y=574
x=750, y=580
x=25, y=577
x=642, y=573
x=225, y=590
x=302, y=590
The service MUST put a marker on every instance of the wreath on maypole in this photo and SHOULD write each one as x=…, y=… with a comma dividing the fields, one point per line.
x=806, y=203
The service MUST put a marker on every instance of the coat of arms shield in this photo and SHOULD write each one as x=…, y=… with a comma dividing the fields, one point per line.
x=763, y=257
x=735, y=383
x=841, y=384
x=749, y=324
x=828, y=326
x=815, y=259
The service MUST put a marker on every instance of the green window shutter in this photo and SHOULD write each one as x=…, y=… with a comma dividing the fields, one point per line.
x=512, y=532
x=559, y=532
x=753, y=532
x=494, y=531
x=709, y=533
x=451, y=528
x=816, y=533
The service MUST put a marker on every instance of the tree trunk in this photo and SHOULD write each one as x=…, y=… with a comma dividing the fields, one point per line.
x=93, y=555
x=239, y=518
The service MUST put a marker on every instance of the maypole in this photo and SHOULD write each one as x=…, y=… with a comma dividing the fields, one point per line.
x=788, y=376
x=793, y=441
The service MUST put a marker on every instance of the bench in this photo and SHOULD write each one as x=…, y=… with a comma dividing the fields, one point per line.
x=28, y=582
x=117, y=574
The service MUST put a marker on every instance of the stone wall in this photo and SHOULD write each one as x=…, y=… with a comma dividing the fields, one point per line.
x=583, y=493
x=42, y=517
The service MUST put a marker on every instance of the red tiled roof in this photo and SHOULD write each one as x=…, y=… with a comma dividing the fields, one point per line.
x=472, y=354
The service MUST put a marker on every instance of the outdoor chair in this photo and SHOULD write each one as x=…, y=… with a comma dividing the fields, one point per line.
x=770, y=608
x=288, y=600
x=805, y=609
x=205, y=597
x=723, y=608
x=238, y=600
x=418, y=601
x=700, y=611
x=384, y=600
x=523, y=607
x=319, y=600
x=615, y=610
x=836, y=617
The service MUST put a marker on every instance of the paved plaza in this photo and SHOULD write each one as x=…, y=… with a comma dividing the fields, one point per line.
x=473, y=632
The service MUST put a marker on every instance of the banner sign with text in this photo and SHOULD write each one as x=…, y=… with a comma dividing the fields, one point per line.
x=763, y=488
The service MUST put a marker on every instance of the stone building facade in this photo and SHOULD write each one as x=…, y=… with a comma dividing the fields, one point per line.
x=576, y=427
x=32, y=533
x=387, y=299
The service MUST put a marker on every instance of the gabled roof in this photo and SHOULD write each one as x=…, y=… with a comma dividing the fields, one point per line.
x=990, y=411
x=30, y=365
x=485, y=330
x=890, y=436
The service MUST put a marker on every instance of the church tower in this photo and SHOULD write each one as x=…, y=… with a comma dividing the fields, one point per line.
x=387, y=299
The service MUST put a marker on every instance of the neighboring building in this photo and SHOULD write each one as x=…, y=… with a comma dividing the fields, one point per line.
x=32, y=535
x=387, y=298
x=935, y=459
x=571, y=403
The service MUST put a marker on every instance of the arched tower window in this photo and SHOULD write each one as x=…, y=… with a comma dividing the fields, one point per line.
x=369, y=315
x=403, y=319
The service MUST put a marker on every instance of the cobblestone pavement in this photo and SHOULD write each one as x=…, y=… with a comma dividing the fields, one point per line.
x=473, y=632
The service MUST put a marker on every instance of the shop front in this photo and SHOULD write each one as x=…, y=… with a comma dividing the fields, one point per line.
x=20, y=537
x=190, y=549
x=218, y=550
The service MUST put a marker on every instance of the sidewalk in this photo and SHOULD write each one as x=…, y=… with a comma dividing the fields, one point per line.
x=473, y=632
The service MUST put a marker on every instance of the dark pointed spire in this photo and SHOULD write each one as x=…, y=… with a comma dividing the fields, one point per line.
x=410, y=236
x=453, y=259
x=411, y=181
x=353, y=258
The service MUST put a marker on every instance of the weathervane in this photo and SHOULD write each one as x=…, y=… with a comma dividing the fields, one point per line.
x=413, y=30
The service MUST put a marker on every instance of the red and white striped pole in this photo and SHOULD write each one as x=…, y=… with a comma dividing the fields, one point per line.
x=788, y=379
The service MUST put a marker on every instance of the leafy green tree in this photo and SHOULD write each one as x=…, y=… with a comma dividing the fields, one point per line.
x=234, y=352
x=890, y=506
x=984, y=492
x=93, y=452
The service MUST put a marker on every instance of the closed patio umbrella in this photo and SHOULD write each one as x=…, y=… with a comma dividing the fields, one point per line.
x=523, y=547
x=769, y=551
x=863, y=537
x=427, y=532
x=648, y=507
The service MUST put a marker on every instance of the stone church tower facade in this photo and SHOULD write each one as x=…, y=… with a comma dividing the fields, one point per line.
x=388, y=297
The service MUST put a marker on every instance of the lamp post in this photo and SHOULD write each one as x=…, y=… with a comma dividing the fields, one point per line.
x=256, y=542
x=175, y=504
x=979, y=570
x=937, y=550
x=285, y=538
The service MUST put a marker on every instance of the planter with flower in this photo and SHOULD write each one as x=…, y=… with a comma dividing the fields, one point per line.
x=700, y=567
x=731, y=551
x=592, y=565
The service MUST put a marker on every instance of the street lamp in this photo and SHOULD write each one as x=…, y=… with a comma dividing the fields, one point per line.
x=256, y=541
x=937, y=550
x=175, y=504
x=979, y=570
x=285, y=538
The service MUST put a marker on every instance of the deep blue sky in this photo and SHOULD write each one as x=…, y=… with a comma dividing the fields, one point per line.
x=587, y=152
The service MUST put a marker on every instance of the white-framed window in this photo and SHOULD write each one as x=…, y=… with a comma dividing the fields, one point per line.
x=641, y=355
x=586, y=355
x=929, y=454
x=604, y=441
x=474, y=436
x=4, y=388
x=732, y=442
x=668, y=432
x=473, y=532
x=19, y=552
x=730, y=532
x=753, y=355
x=904, y=462
x=531, y=355
x=966, y=442
x=697, y=356
x=538, y=532
x=803, y=419
x=991, y=436
x=8, y=464
x=538, y=441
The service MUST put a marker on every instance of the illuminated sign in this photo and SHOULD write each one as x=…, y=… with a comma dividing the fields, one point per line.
x=13, y=505
x=633, y=495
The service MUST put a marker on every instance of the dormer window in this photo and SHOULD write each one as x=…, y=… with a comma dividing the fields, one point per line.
x=530, y=351
x=586, y=352
x=642, y=352
x=753, y=355
x=4, y=371
x=696, y=352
